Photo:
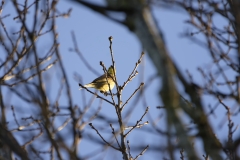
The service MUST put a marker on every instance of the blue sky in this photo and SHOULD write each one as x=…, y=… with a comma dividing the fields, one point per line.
x=92, y=31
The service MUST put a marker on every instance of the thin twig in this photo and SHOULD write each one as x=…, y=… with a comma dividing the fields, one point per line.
x=140, y=154
x=113, y=132
x=76, y=49
x=122, y=107
x=90, y=124
x=97, y=96
x=134, y=72
x=107, y=75
x=137, y=122
x=129, y=149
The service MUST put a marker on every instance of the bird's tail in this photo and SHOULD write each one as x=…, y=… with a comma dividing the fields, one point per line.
x=90, y=85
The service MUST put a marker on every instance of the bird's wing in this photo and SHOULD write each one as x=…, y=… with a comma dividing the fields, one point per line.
x=102, y=78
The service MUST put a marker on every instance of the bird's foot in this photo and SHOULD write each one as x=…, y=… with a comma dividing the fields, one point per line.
x=105, y=93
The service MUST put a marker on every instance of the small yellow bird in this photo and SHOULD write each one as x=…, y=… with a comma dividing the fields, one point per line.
x=101, y=83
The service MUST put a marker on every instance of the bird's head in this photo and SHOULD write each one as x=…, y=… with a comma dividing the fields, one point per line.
x=111, y=70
